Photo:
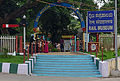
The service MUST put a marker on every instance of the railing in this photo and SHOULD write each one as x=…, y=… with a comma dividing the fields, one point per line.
x=8, y=42
x=108, y=41
x=11, y=44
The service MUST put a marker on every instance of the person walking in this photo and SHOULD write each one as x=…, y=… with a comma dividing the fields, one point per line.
x=37, y=44
x=58, y=47
x=62, y=45
x=31, y=41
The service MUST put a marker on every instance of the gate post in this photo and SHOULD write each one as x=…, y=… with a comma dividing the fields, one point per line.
x=35, y=47
x=70, y=45
x=75, y=43
x=28, y=52
x=78, y=45
x=32, y=49
x=97, y=40
x=21, y=47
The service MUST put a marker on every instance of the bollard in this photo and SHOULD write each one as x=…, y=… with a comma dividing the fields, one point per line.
x=102, y=54
x=90, y=50
x=32, y=49
x=35, y=46
x=28, y=52
x=83, y=46
x=24, y=56
x=97, y=40
x=77, y=45
x=21, y=47
x=96, y=50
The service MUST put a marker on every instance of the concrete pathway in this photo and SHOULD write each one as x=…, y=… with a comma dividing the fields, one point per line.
x=62, y=53
x=14, y=77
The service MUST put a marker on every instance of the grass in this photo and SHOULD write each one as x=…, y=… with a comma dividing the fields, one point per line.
x=106, y=54
x=12, y=59
x=19, y=59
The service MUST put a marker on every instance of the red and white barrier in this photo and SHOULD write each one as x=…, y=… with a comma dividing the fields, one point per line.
x=10, y=25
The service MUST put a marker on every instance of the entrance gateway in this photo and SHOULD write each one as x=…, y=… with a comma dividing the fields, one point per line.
x=76, y=11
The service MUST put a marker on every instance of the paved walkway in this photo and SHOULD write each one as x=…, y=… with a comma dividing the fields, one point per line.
x=62, y=53
x=14, y=77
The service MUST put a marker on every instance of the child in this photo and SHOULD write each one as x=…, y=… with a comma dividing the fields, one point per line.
x=58, y=47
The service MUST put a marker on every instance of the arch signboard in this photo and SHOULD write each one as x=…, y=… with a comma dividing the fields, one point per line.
x=63, y=5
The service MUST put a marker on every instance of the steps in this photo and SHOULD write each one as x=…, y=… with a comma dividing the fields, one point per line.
x=65, y=66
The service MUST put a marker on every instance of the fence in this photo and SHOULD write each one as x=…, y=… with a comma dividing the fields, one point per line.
x=108, y=41
x=10, y=43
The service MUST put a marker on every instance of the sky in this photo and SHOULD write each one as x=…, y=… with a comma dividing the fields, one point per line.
x=101, y=3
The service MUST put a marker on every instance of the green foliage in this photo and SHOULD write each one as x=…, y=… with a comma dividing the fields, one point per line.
x=50, y=46
x=54, y=50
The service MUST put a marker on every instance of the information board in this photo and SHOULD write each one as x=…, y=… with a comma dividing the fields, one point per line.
x=101, y=21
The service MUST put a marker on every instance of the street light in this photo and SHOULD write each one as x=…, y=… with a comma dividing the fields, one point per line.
x=24, y=16
x=24, y=24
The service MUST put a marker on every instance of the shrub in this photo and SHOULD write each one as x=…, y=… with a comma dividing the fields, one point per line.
x=50, y=46
x=54, y=50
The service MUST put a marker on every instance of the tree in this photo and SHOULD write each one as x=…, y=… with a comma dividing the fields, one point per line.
x=10, y=10
x=13, y=10
x=55, y=21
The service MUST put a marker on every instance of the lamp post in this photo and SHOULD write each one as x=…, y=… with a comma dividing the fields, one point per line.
x=24, y=24
x=116, y=54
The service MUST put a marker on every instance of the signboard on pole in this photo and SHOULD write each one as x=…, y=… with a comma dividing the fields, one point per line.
x=92, y=46
x=101, y=21
x=10, y=25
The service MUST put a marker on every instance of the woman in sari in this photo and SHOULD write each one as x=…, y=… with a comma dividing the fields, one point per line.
x=46, y=46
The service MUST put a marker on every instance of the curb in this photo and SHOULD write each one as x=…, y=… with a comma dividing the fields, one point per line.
x=105, y=67
x=18, y=68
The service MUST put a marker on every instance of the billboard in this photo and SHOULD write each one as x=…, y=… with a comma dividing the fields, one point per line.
x=101, y=21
